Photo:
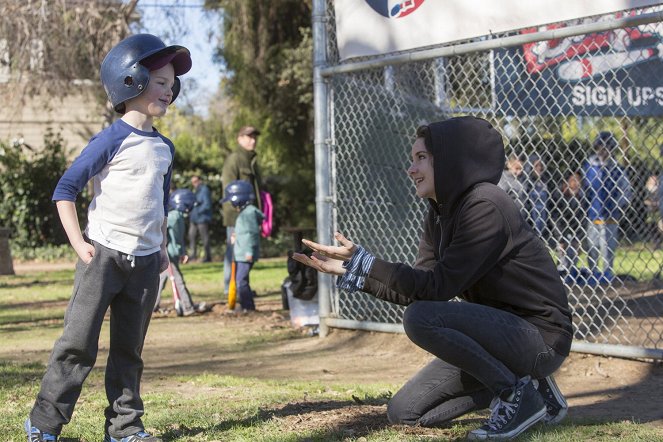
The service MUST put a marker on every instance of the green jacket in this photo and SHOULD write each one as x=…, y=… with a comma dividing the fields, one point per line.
x=247, y=233
x=176, y=228
x=241, y=164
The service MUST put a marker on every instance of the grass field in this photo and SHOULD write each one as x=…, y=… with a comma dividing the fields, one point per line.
x=189, y=395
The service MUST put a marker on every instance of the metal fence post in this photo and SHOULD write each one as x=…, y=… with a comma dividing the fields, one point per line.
x=322, y=161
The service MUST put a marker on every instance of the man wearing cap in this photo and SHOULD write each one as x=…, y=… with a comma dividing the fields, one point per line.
x=608, y=193
x=241, y=164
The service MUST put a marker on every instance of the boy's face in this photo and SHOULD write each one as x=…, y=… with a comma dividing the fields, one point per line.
x=515, y=167
x=155, y=100
x=574, y=182
x=421, y=170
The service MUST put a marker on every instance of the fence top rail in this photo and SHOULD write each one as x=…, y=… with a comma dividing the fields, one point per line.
x=485, y=45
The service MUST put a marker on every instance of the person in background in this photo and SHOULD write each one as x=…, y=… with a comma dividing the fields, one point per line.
x=245, y=238
x=498, y=348
x=608, y=192
x=568, y=216
x=653, y=211
x=241, y=164
x=538, y=196
x=200, y=219
x=511, y=182
x=181, y=201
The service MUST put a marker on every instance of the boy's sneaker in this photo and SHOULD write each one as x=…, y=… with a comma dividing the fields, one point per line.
x=141, y=436
x=36, y=435
x=556, y=405
x=512, y=413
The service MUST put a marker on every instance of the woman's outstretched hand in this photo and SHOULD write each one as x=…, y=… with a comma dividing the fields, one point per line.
x=328, y=259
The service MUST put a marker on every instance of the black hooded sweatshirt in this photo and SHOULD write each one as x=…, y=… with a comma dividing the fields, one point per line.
x=475, y=243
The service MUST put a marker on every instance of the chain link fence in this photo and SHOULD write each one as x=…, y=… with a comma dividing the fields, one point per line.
x=597, y=209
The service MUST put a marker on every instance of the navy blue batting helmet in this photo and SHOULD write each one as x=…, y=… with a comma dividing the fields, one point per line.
x=125, y=71
x=239, y=193
x=605, y=139
x=182, y=200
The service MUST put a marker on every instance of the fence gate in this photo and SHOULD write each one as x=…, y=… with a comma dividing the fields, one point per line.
x=549, y=107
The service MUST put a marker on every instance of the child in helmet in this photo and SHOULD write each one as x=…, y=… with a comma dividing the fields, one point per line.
x=246, y=238
x=123, y=248
x=181, y=201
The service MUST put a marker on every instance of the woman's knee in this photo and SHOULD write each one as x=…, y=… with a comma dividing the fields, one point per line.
x=415, y=318
x=398, y=413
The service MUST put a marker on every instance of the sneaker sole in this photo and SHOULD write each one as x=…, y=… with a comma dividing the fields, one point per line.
x=557, y=393
x=513, y=433
x=554, y=420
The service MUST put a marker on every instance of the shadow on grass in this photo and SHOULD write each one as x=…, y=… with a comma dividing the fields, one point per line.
x=14, y=375
x=328, y=421
x=36, y=283
x=351, y=418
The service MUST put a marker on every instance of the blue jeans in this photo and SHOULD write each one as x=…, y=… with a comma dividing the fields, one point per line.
x=244, y=291
x=480, y=352
x=602, y=242
x=227, y=259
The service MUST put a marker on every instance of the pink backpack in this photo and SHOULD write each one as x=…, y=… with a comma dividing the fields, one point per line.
x=268, y=210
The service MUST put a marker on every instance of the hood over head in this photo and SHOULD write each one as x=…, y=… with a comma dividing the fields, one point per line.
x=466, y=151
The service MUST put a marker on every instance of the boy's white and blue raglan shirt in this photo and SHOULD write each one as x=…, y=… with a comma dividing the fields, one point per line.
x=131, y=172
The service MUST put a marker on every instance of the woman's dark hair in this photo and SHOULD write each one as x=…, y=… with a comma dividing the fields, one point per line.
x=424, y=132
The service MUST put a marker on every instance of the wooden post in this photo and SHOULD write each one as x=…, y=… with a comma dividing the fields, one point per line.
x=6, y=265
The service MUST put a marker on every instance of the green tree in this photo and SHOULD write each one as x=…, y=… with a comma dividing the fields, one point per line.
x=267, y=49
x=53, y=46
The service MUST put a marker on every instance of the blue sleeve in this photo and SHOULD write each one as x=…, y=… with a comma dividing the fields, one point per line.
x=94, y=157
x=205, y=199
x=168, y=176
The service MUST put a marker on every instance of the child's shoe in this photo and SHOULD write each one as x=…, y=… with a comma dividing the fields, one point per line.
x=141, y=436
x=36, y=435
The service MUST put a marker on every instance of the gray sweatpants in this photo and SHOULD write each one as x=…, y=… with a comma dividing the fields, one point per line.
x=130, y=289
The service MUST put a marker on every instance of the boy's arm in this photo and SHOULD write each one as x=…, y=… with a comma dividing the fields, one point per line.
x=69, y=219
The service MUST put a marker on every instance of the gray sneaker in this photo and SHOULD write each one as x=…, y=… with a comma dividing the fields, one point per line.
x=556, y=406
x=512, y=413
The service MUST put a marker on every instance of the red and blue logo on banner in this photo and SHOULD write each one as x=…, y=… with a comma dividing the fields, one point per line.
x=394, y=9
x=615, y=72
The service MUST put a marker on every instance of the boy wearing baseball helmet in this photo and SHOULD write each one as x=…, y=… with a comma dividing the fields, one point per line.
x=181, y=203
x=245, y=238
x=123, y=248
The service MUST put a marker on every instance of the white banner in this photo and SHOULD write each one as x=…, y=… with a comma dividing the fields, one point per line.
x=372, y=27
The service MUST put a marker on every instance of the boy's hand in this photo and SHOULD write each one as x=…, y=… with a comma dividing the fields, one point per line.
x=85, y=251
x=184, y=259
x=248, y=258
x=164, y=260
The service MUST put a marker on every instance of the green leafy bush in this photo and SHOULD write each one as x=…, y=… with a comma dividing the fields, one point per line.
x=27, y=179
